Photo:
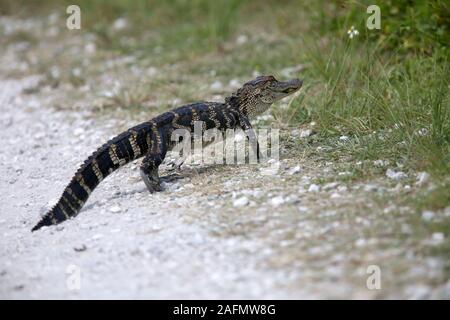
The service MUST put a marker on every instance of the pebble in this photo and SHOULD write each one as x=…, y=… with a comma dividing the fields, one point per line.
x=294, y=170
x=335, y=195
x=437, y=237
x=380, y=163
x=115, y=209
x=305, y=133
x=241, y=39
x=314, y=188
x=395, y=175
x=370, y=188
x=330, y=186
x=234, y=83
x=120, y=24
x=97, y=236
x=292, y=199
x=422, y=178
x=216, y=86
x=80, y=248
x=241, y=202
x=303, y=209
x=78, y=131
x=428, y=215
x=277, y=201
x=343, y=138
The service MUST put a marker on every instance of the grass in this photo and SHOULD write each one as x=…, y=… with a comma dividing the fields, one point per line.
x=388, y=90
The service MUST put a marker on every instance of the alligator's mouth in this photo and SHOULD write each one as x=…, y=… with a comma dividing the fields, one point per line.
x=290, y=86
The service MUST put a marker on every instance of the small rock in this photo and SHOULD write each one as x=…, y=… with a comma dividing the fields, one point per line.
x=303, y=209
x=277, y=201
x=305, y=133
x=379, y=163
x=120, y=24
x=80, y=248
x=335, y=195
x=294, y=170
x=115, y=209
x=422, y=178
x=314, y=188
x=90, y=47
x=343, y=138
x=370, y=188
x=39, y=135
x=406, y=229
x=395, y=175
x=438, y=237
x=330, y=186
x=241, y=39
x=447, y=212
x=234, y=83
x=152, y=71
x=240, y=202
x=216, y=86
x=78, y=131
x=295, y=133
x=360, y=242
x=97, y=236
x=292, y=199
x=428, y=215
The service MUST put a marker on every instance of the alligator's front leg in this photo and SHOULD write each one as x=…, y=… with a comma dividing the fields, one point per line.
x=245, y=124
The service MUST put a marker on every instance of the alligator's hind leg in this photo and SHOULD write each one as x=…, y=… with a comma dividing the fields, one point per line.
x=149, y=171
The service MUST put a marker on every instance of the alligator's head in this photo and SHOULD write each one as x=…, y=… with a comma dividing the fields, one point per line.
x=257, y=95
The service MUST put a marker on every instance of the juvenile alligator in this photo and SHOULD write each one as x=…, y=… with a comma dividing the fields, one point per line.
x=151, y=140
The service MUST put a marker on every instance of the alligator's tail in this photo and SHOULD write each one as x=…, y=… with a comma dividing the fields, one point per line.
x=117, y=152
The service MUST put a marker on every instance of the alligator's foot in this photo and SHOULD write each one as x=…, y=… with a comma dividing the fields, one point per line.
x=175, y=165
x=151, y=180
x=171, y=177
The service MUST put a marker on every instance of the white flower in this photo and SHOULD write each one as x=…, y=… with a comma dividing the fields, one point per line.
x=422, y=132
x=352, y=32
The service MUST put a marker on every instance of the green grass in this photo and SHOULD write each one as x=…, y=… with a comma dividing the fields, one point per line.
x=388, y=89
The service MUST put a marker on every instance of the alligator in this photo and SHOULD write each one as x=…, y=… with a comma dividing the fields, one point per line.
x=151, y=140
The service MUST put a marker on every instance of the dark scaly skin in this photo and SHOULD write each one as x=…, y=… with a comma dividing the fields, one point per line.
x=152, y=140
